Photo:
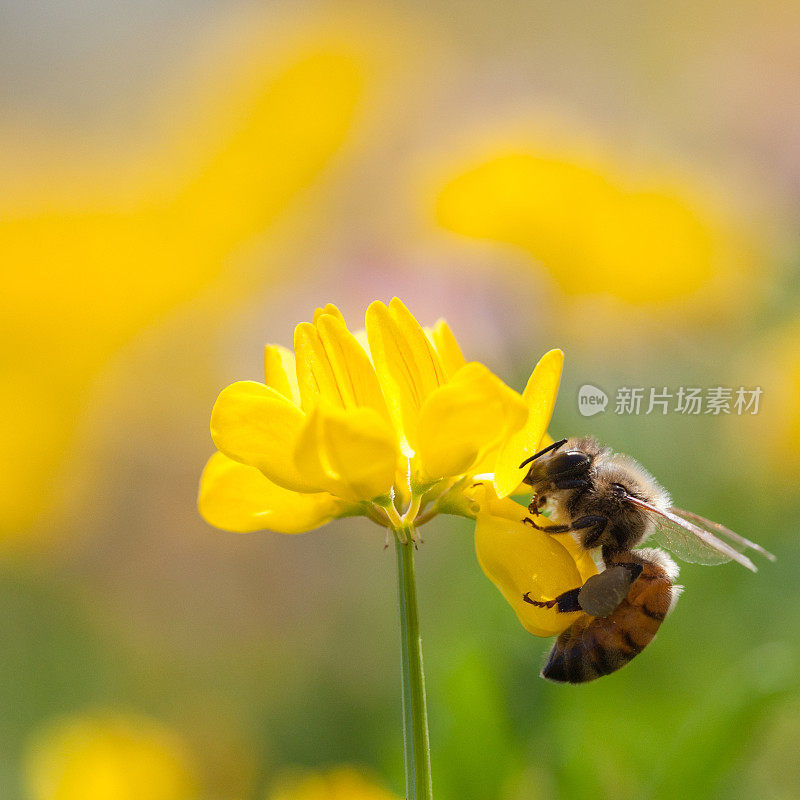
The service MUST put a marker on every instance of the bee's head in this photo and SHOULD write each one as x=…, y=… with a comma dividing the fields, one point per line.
x=565, y=460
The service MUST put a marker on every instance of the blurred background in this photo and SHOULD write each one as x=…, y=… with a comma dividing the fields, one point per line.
x=181, y=181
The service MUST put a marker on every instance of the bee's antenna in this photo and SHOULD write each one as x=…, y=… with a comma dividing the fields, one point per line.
x=547, y=449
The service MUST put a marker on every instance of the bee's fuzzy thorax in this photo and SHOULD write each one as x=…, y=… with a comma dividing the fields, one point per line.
x=627, y=471
x=609, y=478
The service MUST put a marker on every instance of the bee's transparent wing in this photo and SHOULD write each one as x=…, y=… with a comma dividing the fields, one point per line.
x=736, y=540
x=687, y=540
x=688, y=546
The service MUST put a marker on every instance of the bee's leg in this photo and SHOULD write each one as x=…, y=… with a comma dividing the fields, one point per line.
x=595, y=523
x=547, y=528
x=589, y=521
x=564, y=603
x=600, y=596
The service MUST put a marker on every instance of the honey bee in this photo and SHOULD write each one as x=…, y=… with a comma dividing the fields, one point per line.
x=611, y=503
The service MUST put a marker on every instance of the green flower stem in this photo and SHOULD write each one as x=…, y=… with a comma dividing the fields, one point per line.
x=415, y=713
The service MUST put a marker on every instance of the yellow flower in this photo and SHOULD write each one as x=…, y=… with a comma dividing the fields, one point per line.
x=339, y=783
x=601, y=227
x=520, y=559
x=768, y=416
x=109, y=757
x=88, y=266
x=399, y=429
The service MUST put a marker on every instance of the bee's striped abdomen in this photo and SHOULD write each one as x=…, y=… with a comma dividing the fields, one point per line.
x=596, y=646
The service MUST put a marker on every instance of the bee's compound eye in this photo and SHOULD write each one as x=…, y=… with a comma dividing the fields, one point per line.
x=619, y=489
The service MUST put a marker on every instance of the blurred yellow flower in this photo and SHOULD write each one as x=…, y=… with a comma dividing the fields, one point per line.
x=92, y=259
x=601, y=229
x=771, y=366
x=339, y=783
x=399, y=430
x=109, y=756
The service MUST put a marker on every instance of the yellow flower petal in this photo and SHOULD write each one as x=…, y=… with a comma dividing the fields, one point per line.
x=464, y=418
x=429, y=369
x=351, y=453
x=582, y=557
x=484, y=495
x=487, y=461
x=308, y=456
x=333, y=365
x=256, y=425
x=315, y=375
x=447, y=347
x=351, y=366
x=280, y=372
x=361, y=338
x=540, y=397
x=239, y=498
x=519, y=559
x=361, y=448
x=331, y=310
x=407, y=364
